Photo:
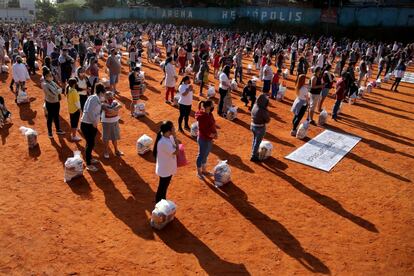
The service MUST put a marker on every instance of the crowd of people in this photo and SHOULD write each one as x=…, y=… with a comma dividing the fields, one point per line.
x=68, y=56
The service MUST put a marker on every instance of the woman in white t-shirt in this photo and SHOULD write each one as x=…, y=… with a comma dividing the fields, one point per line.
x=185, y=91
x=165, y=153
x=300, y=104
x=224, y=87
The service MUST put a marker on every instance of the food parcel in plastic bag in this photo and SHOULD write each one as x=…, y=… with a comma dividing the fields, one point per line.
x=232, y=113
x=281, y=93
x=265, y=150
x=211, y=92
x=22, y=97
x=387, y=77
x=369, y=88
x=323, y=117
x=194, y=129
x=233, y=84
x=163, y=213
x=31, y=136
x=222, y=173
x=302, y=130
x=254, y=81
x=139, y=110
x=105, y=82
x=285, y=73
x=73, y=166
x=176, y=99
x=189, y=69
x=4, y=69
x=249, y=68
x=144, y=144
x=378, y=83
x=361, y=91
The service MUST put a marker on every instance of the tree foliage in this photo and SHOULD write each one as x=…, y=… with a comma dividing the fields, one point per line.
x=46, y=11
x=98, y=5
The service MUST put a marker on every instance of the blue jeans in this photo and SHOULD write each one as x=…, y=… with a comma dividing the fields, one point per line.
x=204, y=148
x=258, y=134
x=275, y=89
x=336, y=108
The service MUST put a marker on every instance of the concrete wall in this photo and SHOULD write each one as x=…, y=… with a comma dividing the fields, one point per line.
x=15, y=15
x=345, y=17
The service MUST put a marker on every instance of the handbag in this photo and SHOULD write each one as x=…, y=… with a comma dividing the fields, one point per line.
x=181, y=158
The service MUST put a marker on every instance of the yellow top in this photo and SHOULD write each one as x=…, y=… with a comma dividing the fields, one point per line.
x=73, y=100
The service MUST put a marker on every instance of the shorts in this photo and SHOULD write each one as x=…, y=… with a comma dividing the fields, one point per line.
x=266, y=86
x=113, y=79
x=74, y=119
x=324, y=92
x=314, y=99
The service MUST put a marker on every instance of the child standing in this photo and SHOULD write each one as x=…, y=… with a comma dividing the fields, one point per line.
x=275, y=83
x=110, y=124
x=74, y=108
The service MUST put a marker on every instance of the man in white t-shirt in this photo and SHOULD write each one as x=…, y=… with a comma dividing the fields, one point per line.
x=267, y=76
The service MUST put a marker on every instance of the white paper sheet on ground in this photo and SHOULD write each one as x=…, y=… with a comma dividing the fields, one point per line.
x=325, y=150
x=408, y=77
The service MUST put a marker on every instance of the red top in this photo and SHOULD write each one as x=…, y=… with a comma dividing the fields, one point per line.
x=275, y=78
x=206, y=125
x=264, y=60
x=340, y=89
x=216, y=63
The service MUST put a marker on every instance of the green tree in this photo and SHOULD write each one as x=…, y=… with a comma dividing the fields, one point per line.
x=46, y=11
x=98, y=5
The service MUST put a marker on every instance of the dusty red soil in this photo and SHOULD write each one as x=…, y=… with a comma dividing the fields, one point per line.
x=276, y=218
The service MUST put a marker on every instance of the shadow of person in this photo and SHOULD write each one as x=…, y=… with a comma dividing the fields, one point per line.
x=4, y=133
x=81, y=187
x=379, y=110
x=27, y=113
x=325, y=201
x=272, y=229
x=181, y=240
x=63, y=150
x=233, y=160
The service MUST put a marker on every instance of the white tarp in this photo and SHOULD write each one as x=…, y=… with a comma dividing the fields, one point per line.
x=325, y=150
x=408, y=77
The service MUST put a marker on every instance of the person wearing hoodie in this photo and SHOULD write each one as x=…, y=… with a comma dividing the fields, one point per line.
x=260, y=117
x=206, y=133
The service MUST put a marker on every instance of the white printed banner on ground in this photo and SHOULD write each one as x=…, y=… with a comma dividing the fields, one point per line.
x=408, y=77
x=325, y=150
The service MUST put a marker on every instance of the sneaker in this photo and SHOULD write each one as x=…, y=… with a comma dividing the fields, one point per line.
x=106, y=155
x=313, y=123
x=76, y=139
x=207, y=173
x=50, y=135
x=200, y=176
x=167, y=102
x=187, y=128
x=119, y=153
x=180, y=129
x=60, y=132
x=94, y=161
x=293, y=133
x=92, y=168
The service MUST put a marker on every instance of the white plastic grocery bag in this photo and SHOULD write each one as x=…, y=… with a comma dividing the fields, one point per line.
x=73, y=166
x=163, y=213
x=144, y=144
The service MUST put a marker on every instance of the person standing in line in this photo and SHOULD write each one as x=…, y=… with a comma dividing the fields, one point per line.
x=260, y=117
x=20, y=75
x=65, y=62
x=267, y=76
x=203, y=74
x=206, y=133
x=238, y=63
x=170, y=79
x=74, y=108
x=165, y=152
x=93, y=71
x=52, y=101
x=341, y=88
x=110, y=124
x=83, y=86
x=399, y=74
x=224, y=88
x=315, y=92
x=300, y=104
x=89, y=124
x=327, y=85
x=186, y=99
x=114, y=67
x=82, y=51
x=135, y=84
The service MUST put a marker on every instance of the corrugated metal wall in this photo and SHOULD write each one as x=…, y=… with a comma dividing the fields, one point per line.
x=350, y=16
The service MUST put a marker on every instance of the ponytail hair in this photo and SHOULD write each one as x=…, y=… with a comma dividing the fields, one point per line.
x=204, y=104
x=184, y=79
x=165, y=127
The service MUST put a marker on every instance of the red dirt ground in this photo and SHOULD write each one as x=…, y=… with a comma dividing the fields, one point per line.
x=276, y=218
